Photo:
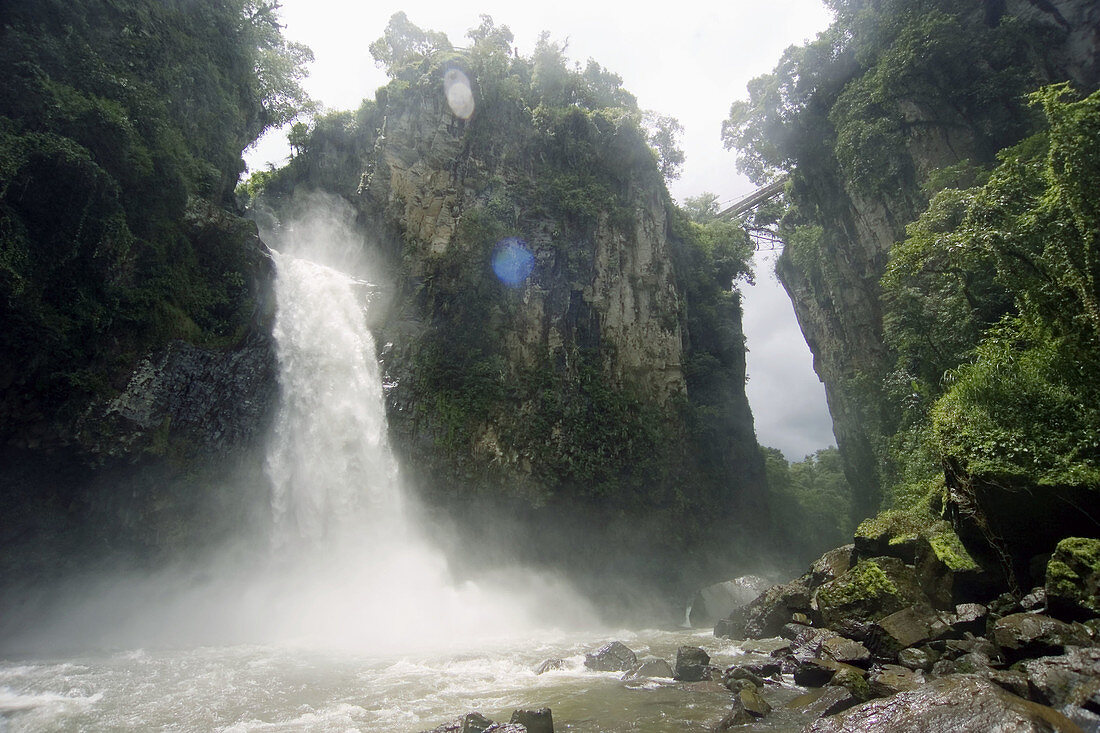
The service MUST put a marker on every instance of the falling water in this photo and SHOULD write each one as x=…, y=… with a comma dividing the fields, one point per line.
x=330, y=464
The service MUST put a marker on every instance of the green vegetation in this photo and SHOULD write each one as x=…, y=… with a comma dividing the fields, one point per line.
x=866, y=582
x=911, y=118
x=121, y=129
x=810, y=501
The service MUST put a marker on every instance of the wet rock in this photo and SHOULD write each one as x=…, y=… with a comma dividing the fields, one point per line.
x=613, y=657
x=755, y=670
x=957, y=703
x=752, y=701
x=1073, y=578
x=469, y=723
x=649, y=667
x=718, y=601
x=766, y=646
x=871, y=590
x=1012, y=680
x=1072, y=678
x=506, y=728
x=828, y=700
x=550, y=664
x=535, y=721
x=916, y=658
x=1022, y=635
x=844, y=650
x=969, y=617
x=819, y=672
x=692, y=664
x=1036, y=600
x=907, y=627
x=737, y=716
x=890, y=679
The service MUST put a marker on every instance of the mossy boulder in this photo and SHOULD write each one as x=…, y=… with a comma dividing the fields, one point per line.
x=1073, y=578
x=871, y=590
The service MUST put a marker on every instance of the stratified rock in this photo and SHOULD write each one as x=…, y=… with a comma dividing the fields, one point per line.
x=719, y=600
x=535, y=721
x=649, y=667
x=1072, y=678
x=1073, y=578
x=613, y=657
x=1022, y=635
x=550, y=664
x=956, y=703
x=871, y=590
x=692, y=664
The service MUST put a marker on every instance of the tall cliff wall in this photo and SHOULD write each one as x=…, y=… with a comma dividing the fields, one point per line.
x=862, y=202
x=599, y=400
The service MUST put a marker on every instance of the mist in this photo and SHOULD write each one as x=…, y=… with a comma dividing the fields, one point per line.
x=345, y=561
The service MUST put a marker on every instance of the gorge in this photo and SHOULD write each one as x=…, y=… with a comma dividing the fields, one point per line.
x=414, y=424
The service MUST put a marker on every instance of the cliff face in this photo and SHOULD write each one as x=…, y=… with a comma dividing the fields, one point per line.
x=599, y=397
x=835, y=291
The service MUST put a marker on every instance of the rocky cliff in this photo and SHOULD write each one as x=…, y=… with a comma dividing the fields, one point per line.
x=598, y=398
x=886, y=128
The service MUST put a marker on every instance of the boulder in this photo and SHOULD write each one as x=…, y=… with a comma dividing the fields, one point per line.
x=969, y=617
x=753, y=670
x=469, y=723
x=737, y=716
x=613, y=657
x=1072, y=678
x=905, y=628
x=535, y=721
x=956, y=703
x=1035, y=600
x=720, y=600
x=649, y=667
x=692, y=664
x=819, y=672
x=840, y=649
x=1073, y=578
x=752, y=701
x=1023, y=635
x=871, y=590
x=766, y=646
x=917, y=658
x=890, y=679
x=1012, y=680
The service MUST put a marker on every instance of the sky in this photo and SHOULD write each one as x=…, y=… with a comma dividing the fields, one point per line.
x=690, y=61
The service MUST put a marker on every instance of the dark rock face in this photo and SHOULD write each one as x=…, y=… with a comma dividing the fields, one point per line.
x=613, y=657
x=692, y=664
x=958, y=703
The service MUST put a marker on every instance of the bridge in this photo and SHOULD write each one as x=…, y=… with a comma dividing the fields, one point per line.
x=766, y=240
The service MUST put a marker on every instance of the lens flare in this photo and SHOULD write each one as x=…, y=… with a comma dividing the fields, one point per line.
x=512, y=261
x=460, y=97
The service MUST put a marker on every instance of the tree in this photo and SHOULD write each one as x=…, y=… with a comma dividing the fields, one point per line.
x=404, y=43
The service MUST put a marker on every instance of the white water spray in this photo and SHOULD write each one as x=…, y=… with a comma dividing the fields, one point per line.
x=330, y=464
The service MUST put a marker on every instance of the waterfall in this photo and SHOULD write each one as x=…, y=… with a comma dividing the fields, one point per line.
x=329, y=461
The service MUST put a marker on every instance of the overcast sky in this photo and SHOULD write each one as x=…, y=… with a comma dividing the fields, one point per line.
x=690, y=61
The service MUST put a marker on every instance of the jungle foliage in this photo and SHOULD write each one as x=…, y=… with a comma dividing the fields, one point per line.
x=121, y=129
x=977, y=303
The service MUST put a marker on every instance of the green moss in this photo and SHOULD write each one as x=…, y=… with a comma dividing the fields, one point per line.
x=1061, y=578
x=897, y=525
x=949, y=548
x=865, y=581
x=1074, y=560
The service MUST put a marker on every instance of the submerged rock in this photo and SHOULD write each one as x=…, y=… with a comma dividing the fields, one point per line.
x=613, y=657
x=956, y=703
x=550, y=664
x=692, y=664
x=737, y=716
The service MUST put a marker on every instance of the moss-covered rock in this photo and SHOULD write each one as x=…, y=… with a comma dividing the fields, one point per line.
x=1073, y=578
x=871, y=590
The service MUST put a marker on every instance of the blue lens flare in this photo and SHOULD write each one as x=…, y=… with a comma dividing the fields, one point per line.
x=512, y=261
